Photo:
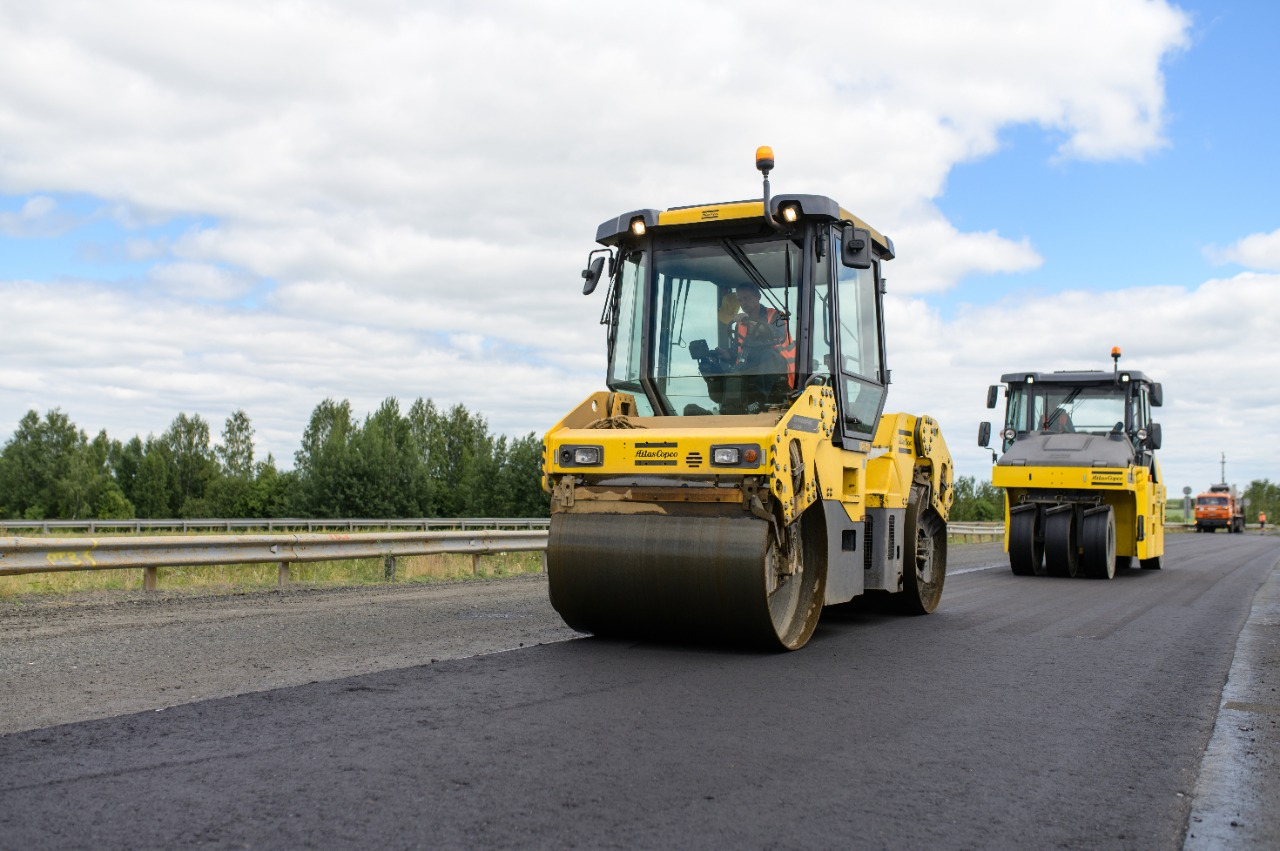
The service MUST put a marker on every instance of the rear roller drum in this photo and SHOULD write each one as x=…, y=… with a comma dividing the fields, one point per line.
x=1098, y=538
x=924, y=561
x=1061, y=547
x=1026, y=544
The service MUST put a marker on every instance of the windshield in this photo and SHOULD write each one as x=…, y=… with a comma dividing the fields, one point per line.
x=1066, y=408
x=724, y=325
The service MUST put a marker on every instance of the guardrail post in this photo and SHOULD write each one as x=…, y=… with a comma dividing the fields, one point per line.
x=389, y=568
x=475, y=564
x=544, y=561
x=282, y=580
x=150, y=578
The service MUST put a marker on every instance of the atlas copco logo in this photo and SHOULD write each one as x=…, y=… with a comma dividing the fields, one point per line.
x=656, y=453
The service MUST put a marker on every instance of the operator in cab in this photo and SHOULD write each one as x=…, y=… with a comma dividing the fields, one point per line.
x=756, y=367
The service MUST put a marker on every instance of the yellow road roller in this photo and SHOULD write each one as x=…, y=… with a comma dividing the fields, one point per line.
x=1083, y=491
x=738, y=473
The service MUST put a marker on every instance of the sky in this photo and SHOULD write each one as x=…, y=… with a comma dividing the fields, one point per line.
x=217, y=206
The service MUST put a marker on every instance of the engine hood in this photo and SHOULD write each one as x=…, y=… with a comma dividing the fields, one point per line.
x=1068, y=450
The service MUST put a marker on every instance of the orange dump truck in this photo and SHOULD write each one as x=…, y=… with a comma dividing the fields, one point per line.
x=1219, y=508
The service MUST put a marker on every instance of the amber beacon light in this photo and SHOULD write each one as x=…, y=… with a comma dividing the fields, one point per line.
x=764, y=158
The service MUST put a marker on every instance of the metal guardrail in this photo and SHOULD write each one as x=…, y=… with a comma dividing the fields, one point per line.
x=148, y=553
x=426, y=524
x=55, y=554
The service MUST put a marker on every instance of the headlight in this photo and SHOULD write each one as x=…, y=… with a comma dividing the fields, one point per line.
x=587, y=456
x=1142, y=434
x=1010, y=434
x=726, y=455
x=580, y=456
x=740, y=455
x=790, y=213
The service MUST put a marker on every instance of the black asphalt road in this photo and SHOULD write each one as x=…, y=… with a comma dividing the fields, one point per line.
x=1026, y=712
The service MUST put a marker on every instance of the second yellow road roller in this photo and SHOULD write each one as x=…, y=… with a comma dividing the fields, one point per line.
x=1082, y=484
x=739, y=473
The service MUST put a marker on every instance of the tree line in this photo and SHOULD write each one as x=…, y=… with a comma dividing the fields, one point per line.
x=424, y=462
x=1264, y=498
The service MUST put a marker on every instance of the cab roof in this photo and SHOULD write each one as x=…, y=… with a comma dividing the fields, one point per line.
x=1090, y=376
x=616, y=230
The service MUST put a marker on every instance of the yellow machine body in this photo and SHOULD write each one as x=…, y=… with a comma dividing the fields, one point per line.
x=726, y=488
x=1083, y=490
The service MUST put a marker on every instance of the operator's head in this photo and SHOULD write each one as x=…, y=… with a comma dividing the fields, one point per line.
x=748, y=295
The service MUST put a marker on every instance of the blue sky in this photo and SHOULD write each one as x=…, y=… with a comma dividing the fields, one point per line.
x=1151, y=220
x=223, y=205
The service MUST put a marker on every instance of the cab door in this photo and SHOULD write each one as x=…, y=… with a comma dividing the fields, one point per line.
x=858, y=337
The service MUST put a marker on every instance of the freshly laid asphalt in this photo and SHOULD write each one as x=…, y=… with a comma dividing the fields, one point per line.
x=1025, y=712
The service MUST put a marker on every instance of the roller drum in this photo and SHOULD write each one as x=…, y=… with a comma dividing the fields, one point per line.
x=665, y=576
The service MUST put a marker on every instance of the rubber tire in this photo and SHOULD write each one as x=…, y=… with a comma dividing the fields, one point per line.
x=1026, y=554
x=924, y=557
x=1153, y=563
x=1123, y=563
x=1098, y=539
x=1061, y=544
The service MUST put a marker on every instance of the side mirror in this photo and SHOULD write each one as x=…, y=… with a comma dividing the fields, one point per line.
x=1157, y=395
x=591, y=275
x=984, y=433
x=993, y=393
x=855, y=247
x=1153, y=435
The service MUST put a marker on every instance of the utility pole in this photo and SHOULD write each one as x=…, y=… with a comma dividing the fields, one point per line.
x=1224, y=468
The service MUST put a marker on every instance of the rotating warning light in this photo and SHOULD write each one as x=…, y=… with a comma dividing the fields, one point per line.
x=764, y=158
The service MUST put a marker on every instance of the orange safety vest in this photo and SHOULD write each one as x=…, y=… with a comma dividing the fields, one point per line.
x=786, y=348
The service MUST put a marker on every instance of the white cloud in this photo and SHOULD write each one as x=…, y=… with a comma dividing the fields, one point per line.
x=1259, y=251
x=1212, y=347
x=409, y=190
x=38, y=216
x=200, y=281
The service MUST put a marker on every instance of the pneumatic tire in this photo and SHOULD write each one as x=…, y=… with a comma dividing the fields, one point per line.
x=1061, y=545
x=1026, y=543
x=1098, y=539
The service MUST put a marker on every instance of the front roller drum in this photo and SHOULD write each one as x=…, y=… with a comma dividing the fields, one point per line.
x=723, y=579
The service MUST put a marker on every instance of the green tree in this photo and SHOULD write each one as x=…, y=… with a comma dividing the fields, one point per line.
x=1263, y=497
x=389, y=466
x=191, y=462
x=152, y=496
x=519, y=481
x=976, y=501
x=327, y=483
x=126, y=462
x=236, y=450
x=50, y=470
x=459, y=456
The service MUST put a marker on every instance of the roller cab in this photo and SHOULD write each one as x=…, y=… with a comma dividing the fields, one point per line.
x=1083, y=490
x=738, y=473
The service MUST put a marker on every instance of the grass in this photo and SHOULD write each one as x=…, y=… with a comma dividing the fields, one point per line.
x=257, y=577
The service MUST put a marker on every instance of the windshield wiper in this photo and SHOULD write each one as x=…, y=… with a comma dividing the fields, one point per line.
x=757, y=277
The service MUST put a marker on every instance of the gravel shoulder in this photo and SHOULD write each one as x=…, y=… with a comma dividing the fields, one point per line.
x=77, y=658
